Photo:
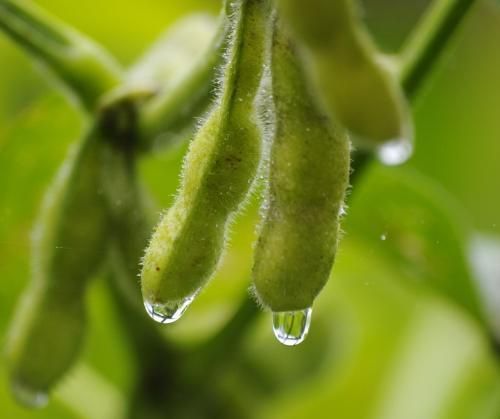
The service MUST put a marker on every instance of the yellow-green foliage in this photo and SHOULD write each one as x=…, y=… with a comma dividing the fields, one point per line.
x=353, y=82
x=82, y=66
x=308, y=177
x=218, y=172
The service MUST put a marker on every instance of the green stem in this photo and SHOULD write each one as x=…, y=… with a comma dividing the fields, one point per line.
x=157, y=361
x=428, y=41
x=80, y=65
x=215, y=350
x=442, y=23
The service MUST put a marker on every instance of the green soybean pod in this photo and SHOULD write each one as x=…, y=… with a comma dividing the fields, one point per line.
x=174, y=54
x=130, y=210
x=308, y=168
x=219, y=170
x=355, y=83
x=68, y=247
x=180, y=101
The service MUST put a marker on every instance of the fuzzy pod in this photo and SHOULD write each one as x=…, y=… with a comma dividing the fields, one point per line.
x=218, y=173
x=68, y=248
x=308, y=169
x=353, y=81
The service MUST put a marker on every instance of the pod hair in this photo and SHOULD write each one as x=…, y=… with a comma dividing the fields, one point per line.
x=218, y=173
x=308, y=173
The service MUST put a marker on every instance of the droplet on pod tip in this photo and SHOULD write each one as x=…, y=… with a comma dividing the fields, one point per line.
x=169, y=312
x=28, y=396
x=291, y=327
x=395, y=152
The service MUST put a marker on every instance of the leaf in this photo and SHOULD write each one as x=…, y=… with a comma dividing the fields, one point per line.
x=395, y=333
x=457, y=122
x=387, y=351
x=484, y=256
x=418, y=226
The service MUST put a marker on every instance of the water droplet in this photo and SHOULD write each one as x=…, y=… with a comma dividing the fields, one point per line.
x=291, y=327
x=168, y=312
x=383, y=237
x=395, y=152
x=28, y=396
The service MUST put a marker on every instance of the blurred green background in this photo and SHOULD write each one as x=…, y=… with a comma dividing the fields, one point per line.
x=407, y=325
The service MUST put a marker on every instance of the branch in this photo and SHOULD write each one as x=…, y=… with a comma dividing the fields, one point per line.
x=426, y=45
x=80, y=65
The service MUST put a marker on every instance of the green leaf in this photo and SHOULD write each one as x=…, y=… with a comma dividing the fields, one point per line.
x=379, y=349
x=417, y=225
x=458, y=129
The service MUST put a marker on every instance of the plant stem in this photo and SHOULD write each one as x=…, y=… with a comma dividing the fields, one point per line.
x=431, y=38
x=216, y=350
x=81, y=66
x=428, y=41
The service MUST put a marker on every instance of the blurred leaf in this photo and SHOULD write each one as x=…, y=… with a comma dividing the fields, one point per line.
x=485, y=259
x=458, y=129
x=419, y=228
x=388, y=339
x=391, y=352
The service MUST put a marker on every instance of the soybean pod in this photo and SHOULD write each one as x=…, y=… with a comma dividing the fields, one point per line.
x=68, y=248
x=174, y=110
x=130, y=211
x=218, y=173
x=173, y=56
x=308, y=176
x=352, y=80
